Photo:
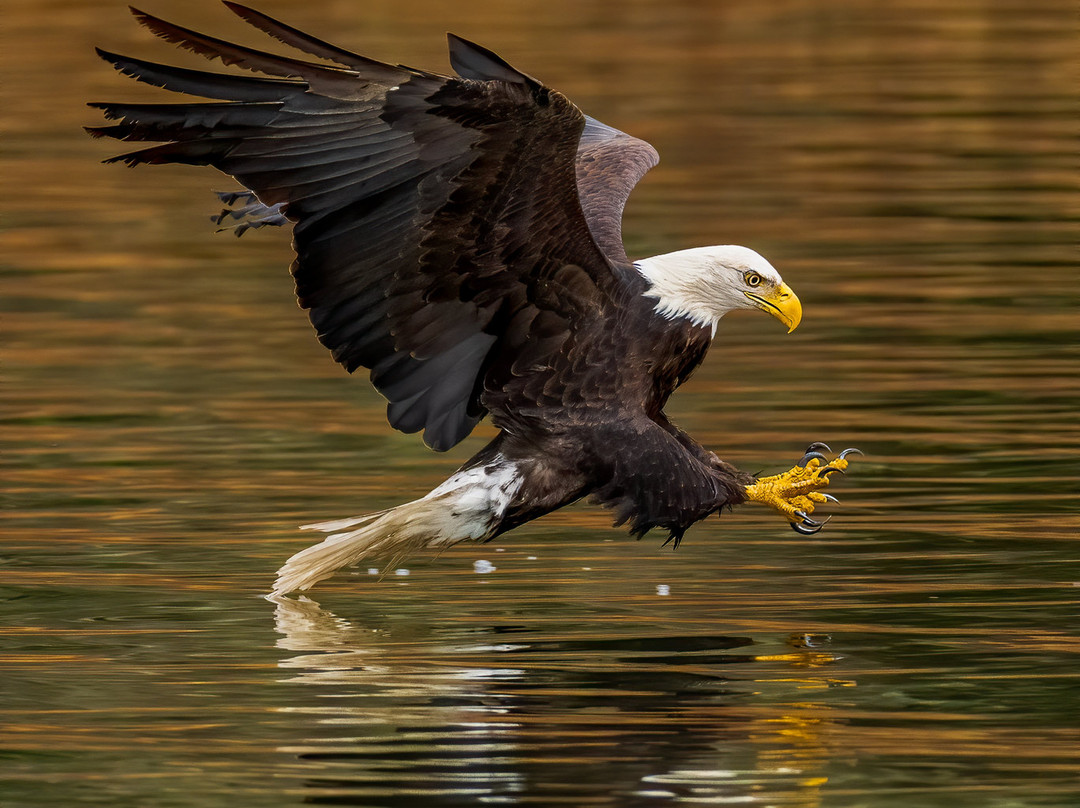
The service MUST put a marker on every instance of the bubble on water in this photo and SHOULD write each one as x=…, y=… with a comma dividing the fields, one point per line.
x=663, y=589
x=373, y=571
x=401, y=571
x=482, y=566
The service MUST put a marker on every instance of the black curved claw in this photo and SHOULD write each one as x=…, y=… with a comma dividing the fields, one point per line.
x=817, y=446
x=827, y=470
x=806, y=531
x=808, y=456
x=831, y=498
x=806, y=520
x=846, y=452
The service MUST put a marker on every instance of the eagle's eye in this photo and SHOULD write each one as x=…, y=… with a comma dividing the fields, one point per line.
x=752, y=279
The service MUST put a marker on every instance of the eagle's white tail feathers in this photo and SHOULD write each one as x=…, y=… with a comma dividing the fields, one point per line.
x=468, y=506
x=341, y=524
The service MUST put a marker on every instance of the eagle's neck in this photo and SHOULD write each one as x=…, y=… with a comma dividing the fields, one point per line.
x=686, y=286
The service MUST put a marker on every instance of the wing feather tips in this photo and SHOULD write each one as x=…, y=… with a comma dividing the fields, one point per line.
x=192, y=153
x=332, y=80
x=239, y=55
x=472, y=61
x=451, y=428
x=435, y=394
x=181, y=122
x=309, y=44
x=199, y=82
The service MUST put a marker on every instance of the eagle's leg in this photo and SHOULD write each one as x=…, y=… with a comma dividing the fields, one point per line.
x=795, y=493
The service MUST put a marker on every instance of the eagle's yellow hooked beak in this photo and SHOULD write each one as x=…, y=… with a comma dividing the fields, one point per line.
x=781, y=303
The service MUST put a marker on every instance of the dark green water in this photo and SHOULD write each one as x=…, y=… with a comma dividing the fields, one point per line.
x=168, y=418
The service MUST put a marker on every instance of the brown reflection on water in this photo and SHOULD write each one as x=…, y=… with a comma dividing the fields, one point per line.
x=168, y=418
x=476, y=702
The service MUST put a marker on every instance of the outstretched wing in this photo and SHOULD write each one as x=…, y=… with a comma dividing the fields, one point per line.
x=437, y=220
x=609, y=163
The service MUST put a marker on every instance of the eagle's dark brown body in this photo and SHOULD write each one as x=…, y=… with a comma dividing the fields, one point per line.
x=604, y=434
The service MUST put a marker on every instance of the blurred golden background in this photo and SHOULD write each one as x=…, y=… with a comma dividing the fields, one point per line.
x=168, y=417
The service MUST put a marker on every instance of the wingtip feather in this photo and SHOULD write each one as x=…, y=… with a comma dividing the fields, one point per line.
x=472, y=61
x=241, y=11
x=108, y=56
x=145, y=19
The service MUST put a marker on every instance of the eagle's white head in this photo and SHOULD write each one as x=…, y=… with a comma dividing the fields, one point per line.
x=705, y=283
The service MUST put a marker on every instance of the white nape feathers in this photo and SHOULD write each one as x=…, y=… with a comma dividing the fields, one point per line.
x=702, y=284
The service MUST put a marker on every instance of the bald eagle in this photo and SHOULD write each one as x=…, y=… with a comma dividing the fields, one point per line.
x=460, y=237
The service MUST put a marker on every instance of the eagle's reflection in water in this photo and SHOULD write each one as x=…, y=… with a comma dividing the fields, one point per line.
x=406, y=715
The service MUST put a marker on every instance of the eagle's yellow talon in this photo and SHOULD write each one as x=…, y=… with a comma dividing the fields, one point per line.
x=795, y=493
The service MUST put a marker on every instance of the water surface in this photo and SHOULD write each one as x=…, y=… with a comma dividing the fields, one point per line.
x=168, y=418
